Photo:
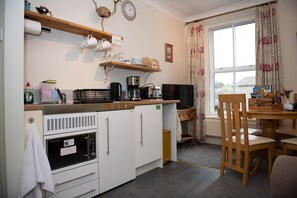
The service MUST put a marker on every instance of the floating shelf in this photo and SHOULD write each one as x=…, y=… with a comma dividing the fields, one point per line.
x=129, y=66
x=67, y=26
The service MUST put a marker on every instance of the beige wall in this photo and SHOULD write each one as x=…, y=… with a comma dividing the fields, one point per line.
x=58, y=56
x=287, y=16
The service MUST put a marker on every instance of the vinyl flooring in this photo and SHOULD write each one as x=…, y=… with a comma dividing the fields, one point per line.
x=175, y=179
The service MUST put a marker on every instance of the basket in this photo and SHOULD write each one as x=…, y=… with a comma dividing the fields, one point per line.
x=91, y=96
x=264, y=104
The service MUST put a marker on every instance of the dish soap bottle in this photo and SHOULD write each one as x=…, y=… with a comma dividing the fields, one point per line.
x=28, y=95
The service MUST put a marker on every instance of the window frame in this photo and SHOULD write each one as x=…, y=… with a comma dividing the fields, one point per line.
x=233, y=69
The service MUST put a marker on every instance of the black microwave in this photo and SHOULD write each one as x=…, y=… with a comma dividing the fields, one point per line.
x=66, y=150
x=182, y=92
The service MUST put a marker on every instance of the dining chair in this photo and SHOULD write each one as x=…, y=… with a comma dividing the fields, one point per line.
x=237, y=146
x=289, y=144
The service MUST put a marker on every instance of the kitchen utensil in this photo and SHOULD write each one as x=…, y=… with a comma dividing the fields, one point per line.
x=89, y=42
x=103, y=45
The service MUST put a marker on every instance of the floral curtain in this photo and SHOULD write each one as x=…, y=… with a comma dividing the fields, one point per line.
x=196, y=73
x=268, y=48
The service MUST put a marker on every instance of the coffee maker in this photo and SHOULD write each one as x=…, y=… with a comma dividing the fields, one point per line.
x=133, y=83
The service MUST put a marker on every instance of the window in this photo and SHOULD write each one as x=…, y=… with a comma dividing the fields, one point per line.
x=232, y=60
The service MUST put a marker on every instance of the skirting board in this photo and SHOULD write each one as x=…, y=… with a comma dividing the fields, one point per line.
x=213, y=140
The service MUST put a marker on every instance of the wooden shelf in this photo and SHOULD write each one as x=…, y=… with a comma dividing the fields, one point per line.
x=66, y=26
x=129, y=67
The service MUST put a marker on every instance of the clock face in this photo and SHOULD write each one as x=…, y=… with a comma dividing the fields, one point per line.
x=128, y=10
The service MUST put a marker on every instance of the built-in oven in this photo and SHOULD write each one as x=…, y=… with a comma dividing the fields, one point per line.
x=70, y=139
x=71, y=149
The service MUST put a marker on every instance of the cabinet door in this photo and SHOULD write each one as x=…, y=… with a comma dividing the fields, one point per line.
x=148, y=134
x=116, y=148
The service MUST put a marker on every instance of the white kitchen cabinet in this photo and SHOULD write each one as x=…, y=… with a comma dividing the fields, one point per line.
x=116, y=148
x=148, y=134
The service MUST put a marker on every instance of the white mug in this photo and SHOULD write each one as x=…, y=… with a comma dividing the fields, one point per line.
x=103, y=45
x=89, y=42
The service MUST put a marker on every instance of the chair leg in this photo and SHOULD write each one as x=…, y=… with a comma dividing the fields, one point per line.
x=245, y=168
x=270, y=159
x=285, y=149
x=223, y=160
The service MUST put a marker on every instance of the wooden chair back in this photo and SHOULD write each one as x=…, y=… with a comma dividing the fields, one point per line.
x=233, y=116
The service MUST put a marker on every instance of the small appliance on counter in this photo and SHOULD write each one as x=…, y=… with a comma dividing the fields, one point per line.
x=133, y=83
x=91, y=96
x=150, y=92
x=115, y=91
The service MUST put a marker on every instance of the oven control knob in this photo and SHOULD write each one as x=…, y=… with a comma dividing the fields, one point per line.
x=93, y=154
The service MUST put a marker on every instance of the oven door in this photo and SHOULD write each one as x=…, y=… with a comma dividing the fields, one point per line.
x=72, y=149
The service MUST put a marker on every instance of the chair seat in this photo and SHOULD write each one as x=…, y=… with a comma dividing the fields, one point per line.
x=252, y=131
x=284, y=131
x=290, y=141
x=254, y=140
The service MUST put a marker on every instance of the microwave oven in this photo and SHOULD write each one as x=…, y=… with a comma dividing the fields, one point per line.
x=65, y=150
x=182, y=92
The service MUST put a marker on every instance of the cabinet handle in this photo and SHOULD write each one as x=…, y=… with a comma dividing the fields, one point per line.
x=58, y=184
x=91, y=190
x=107, y=125
x=141, y=130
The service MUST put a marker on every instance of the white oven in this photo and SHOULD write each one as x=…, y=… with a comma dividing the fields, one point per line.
x=70, y=138
x=71, y=143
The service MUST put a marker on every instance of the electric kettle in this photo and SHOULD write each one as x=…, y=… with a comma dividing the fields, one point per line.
x=115, y=91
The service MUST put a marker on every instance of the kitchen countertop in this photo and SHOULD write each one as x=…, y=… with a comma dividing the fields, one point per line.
x=76, y=108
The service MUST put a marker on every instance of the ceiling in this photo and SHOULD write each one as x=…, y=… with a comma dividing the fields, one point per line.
x=186, y=10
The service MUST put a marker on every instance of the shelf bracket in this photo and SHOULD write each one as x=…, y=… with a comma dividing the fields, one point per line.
x=106, y=71
x=145, y=77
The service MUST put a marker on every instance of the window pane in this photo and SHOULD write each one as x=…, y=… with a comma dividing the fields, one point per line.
x=245, y=45
x=223, y=48
x=223, y=85
x=245, y=81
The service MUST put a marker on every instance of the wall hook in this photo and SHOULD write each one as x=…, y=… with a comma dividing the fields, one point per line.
x=31, y=120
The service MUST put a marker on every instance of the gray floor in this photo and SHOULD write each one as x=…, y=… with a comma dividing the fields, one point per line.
x=185, y=178
x=176, y=179
x=195, y=174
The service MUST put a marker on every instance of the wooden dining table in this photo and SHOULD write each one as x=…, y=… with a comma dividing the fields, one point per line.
x=268, y=120
x=273, y=115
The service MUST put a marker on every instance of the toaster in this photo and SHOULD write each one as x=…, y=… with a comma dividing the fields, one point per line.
x=150, y=92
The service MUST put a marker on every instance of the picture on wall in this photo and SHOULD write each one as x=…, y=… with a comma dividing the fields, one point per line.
x=168, y=53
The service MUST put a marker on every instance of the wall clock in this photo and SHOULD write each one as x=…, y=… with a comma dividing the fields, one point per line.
x=128, y=10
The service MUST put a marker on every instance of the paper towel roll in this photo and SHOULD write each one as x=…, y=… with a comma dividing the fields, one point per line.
x=32, y=27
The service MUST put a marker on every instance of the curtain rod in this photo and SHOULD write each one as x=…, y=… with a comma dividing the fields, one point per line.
x=274, y=1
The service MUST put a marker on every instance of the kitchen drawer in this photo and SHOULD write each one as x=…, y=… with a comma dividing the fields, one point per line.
x=74, y=177
x=85, y=190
